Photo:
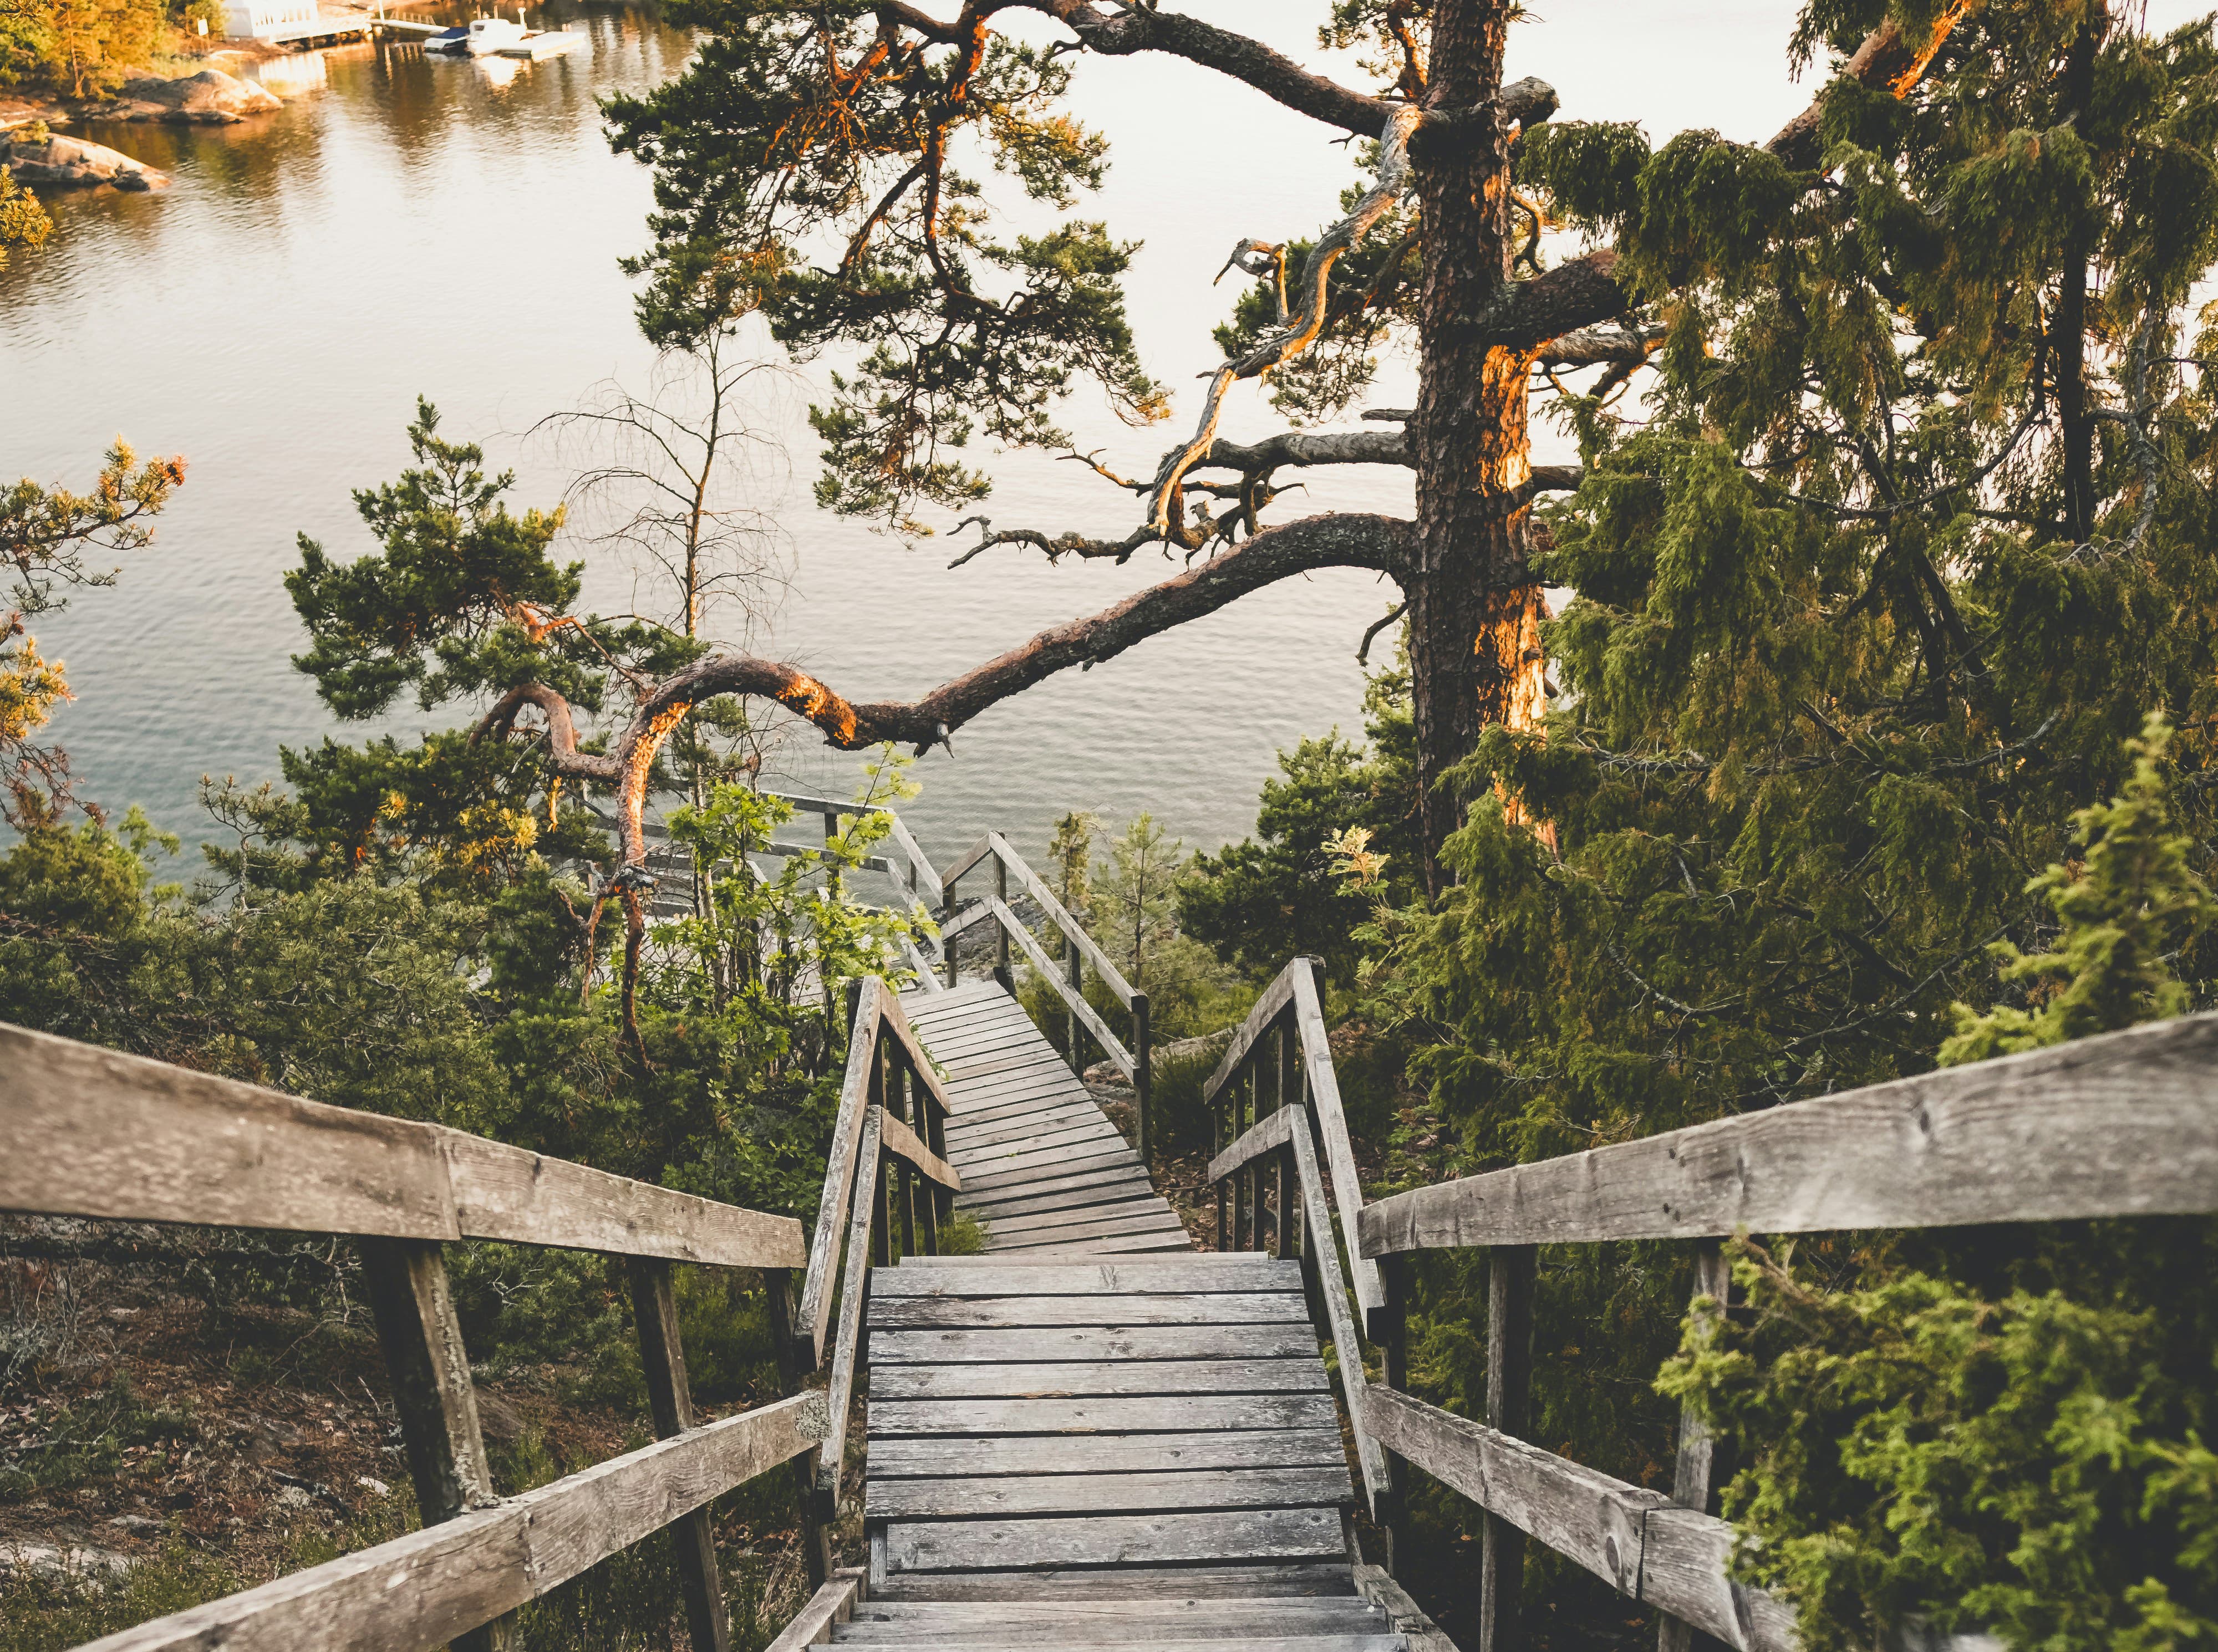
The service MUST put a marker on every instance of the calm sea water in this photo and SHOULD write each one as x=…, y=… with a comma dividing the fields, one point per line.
x=452, y=229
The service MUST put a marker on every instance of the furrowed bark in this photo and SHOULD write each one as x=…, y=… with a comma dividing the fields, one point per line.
x=1473, y=608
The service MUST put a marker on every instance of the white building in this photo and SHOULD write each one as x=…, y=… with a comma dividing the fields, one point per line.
x=270, y=20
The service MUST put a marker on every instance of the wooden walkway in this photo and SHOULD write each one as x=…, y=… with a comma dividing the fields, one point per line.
x=1093, y=1434
x=1043, y=1167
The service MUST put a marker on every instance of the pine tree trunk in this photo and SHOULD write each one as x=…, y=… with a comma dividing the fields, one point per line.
x=1474, y=612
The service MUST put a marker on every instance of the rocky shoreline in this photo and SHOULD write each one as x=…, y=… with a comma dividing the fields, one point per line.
x=39, y=157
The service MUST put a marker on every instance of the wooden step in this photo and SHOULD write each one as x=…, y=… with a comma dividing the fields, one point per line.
x=1148, y=1586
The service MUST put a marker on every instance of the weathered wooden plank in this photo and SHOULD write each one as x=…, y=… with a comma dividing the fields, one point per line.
x=1119, y=1539
x=2125, y=1124
x=1267, y=1008
x=1142, y=1586
x=1370, y=1642
x=986, y=1174
x=429, y=1373
x=1146, y=1220
x=854, y=1290
x=919, y=1063
x=978, y=1036
x=1166, y=1308
x=815, y=1316
x=423, y=1590
x=994, y=1261
x=1042, y=1226
x=670, y=1402
x=1044, y=1344
x=1044, y=897
x=1112, y=1621
x=1105, y=1192
x=920, y=1279
x=1103, y=1493
x=1691, y=1478
x=980, y=1109
x=1102, y=1414
x=1046, y=1181
x=1258, y=1141
x=1085, y=1134
x=1015, y=1227
x=1153, y=1243
x=1682, y=1572
x=1403, y=1615
x=1062, y=1113
x=898, y=1138
x=1332, y=1129
x=812, y=1625
x=1309, y=1185
x=1073, y=1379
x=1578, y=1511
x=95, y=1132
x=941, y=1456
x=1043, y=966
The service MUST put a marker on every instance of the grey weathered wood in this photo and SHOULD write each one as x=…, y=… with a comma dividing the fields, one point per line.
x=1044, y=899
x=969, y=857
x=1330, y=1643
x=1116, y=1620
x=854, y=1290
x=1257, y=1142
x=1088, y=1135
x=425, y=1589
x=941, y=1456
x=1049, y=1227
x=896, y=1137
x=920, y=1063
x=1077, y=1378
x=1142, y=1586
x=1244, y=1274
x=1136, y=1493
x=2125, y=1124
x=1144, y=1220
x=1376, y=1489
x=1266, y=1009
x=1127, y=1539
x=1684, y=1557
x=1058, y=1116
x=832, y=1205
x=433, y=1395
x=1577, y=1512
x=670, y=1401
x=1332, y=1127
x=1044, y=967
x=1403, y=1615
x=1510, y=1282
x=779, y=1289
x=937, y=1345
x=1691, y=1478
x=1103, y=1414
x=1165, y=1308
x=1016, y=1170
x=833, y=1603
x=1149, y=1243
x=92, y=1132
x=1102, y=1194
x=1007, y=1223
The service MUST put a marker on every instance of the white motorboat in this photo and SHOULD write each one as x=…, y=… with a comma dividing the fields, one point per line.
x=449, y=42
x=491, y=34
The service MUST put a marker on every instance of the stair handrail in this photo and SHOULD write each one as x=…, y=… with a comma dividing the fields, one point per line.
x=889, y=1142
x=97, y=1133
x=1252, y=1140
x=1079, y=949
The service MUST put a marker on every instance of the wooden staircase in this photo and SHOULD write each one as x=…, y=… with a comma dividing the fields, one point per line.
x=1092, y=1433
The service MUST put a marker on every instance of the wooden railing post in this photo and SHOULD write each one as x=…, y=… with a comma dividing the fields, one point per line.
x=1143, y=1076
x=1000, y=934
x=670, y=1398
x=816, y=1539
x=429, y=1372
x=1289, y=1094
x=1219, y=1139
x=904, y=1095
x=1394, y=1348
x=1074, y=973
x=1691, y=1478
x=1510, y=1274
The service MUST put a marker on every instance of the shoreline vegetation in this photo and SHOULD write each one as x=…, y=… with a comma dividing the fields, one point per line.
x=157, y=69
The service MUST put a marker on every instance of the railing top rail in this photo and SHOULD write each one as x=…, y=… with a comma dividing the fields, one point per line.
x=2124, y=1124
x=995, y=846
x=94, y=1132
x=1259, y=1020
